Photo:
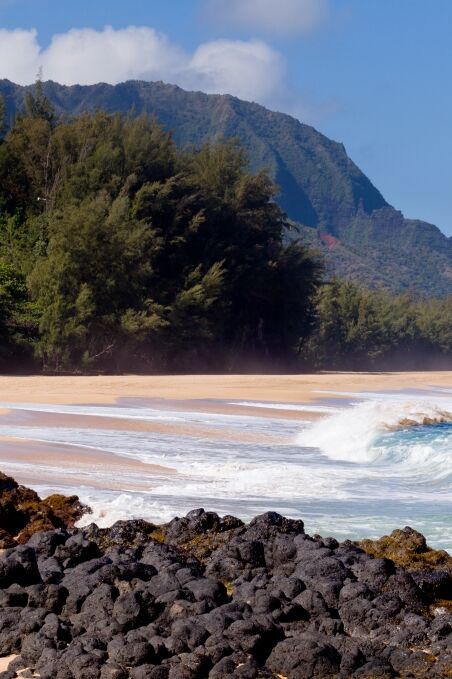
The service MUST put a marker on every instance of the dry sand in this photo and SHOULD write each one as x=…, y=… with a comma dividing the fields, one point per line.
x=4, y=662
x=286, y=388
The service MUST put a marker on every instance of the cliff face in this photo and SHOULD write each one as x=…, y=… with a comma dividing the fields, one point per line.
x=320, y=187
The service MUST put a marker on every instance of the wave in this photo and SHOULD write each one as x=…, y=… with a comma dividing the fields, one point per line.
x=367, y=468
x=383, y=431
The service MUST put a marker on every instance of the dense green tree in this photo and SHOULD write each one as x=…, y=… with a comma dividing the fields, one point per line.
x=94, y=271
x=17, y=320
x=37, y=105
x=120, y=252
x=362, y=329
x=139, y=255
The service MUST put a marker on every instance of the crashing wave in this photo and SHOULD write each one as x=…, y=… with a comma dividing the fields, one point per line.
x=357, y=434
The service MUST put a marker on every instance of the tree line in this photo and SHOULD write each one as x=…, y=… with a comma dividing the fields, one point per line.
x=360, y=329
x=119, y=251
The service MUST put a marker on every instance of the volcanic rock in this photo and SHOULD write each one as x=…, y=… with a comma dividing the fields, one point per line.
x=23, y=513
x=209, y=598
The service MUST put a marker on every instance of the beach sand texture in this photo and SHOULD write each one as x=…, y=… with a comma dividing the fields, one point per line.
x=5, y=661
x=176, y=442
x=280, y=388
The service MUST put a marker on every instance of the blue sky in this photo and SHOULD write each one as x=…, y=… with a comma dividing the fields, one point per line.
x=373, y=74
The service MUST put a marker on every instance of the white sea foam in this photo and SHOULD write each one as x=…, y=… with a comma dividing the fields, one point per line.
x=352, y=434
x=354, y=471
x=306, y=408
x=145, y=414
x=107, y=508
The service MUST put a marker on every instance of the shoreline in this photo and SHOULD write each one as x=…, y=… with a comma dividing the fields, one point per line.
x=43, y=463
x=214, y=584
x=153, y=450
x=274, y=388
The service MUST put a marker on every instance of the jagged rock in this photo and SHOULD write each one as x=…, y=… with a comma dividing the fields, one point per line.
x=23, y=513
x=408, y=548
x=431, y=569
x=210, y=598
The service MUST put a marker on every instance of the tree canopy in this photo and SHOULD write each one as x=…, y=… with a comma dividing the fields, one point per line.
x=119, y=251
x=359, y=329
x=140, y=256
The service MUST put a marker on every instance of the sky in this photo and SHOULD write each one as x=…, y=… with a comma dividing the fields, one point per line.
x=372, y=74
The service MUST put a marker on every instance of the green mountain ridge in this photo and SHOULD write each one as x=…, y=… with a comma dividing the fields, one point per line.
x=334, y=205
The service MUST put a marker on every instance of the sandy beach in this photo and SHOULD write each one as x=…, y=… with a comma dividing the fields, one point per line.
x=281, y=388
x=156, y=446
x=43, y=462
x=31, y=418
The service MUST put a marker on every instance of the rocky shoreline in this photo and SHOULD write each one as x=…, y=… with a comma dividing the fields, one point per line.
x=210, y=597
x=23, y=513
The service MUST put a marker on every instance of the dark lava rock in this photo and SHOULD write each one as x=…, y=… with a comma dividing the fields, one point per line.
x=305, y=656
x=431, y=568
x=206, y=597
x=23, y=513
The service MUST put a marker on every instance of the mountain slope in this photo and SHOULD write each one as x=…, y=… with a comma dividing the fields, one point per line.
x=338, y=207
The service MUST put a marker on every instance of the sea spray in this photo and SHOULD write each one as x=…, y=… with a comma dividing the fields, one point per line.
x=361, y=469
x=354, y=434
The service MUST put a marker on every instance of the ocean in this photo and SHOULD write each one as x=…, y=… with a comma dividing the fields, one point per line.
x=366, y=464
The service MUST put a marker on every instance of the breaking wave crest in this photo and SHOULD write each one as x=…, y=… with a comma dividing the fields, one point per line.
x=390, y=432
x=361, y=469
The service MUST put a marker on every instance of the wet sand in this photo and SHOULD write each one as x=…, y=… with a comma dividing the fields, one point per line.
x=273, y=388
x=35, y=418
x=62, y=465
x=57, y=464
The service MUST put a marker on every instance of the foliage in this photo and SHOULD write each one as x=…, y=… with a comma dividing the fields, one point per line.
x=320, y=187
x=140, y=256
x=360, y=329
x=17, y=319
x=37, y=105
x=119, y=251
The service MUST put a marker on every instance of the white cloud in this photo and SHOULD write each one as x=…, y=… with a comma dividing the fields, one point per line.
x=247, y=69
x=271, y=16
x=251, y=70
x=87, y=56
x=19, y=55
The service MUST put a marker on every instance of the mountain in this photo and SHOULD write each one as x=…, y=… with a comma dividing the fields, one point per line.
x=332, y=203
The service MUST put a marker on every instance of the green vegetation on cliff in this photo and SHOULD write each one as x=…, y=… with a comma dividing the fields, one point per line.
x=120, y=251
x=361, y=237
x=130, y=254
